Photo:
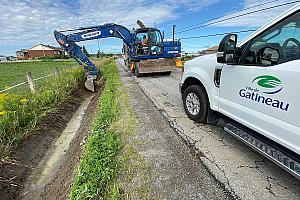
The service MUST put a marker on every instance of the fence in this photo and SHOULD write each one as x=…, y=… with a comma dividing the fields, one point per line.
x=30, y=81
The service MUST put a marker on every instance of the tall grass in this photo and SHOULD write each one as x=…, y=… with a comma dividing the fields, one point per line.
x=21, y=112
x=98, y=165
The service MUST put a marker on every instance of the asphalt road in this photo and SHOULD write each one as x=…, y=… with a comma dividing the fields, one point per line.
x=241, y=171
x=175, y=172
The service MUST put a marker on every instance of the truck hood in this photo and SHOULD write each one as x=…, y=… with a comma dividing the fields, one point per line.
x=207, y=60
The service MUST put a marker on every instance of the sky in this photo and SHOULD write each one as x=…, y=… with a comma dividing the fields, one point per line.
x=25, y=23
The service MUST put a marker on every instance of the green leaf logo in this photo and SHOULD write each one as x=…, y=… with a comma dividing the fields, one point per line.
x=269, y=82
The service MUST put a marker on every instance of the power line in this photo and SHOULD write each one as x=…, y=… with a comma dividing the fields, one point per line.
x=217, y=34
x=240, y=15
x=257, y=5
x=212, y=21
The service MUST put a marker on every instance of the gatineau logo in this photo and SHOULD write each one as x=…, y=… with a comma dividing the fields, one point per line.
x=262, y=92
x=268, y=84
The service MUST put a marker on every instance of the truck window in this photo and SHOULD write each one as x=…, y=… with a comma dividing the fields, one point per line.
x=277, y=45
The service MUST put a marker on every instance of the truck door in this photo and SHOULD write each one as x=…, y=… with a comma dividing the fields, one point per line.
x=262, y=91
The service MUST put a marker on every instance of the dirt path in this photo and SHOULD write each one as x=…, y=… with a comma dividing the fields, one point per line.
x=28, y=163
x=175, y=172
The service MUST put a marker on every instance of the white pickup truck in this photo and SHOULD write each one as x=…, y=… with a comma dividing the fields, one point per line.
x=251, y=89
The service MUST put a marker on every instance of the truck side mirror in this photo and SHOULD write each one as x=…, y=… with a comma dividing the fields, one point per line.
x=227, y=49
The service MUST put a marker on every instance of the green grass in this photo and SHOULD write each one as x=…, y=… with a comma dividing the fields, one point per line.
x=98, y=165
x=14, y=73
x=20, y=113
x=110, y=161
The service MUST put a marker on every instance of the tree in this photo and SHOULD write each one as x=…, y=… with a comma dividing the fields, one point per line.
x=85, y=51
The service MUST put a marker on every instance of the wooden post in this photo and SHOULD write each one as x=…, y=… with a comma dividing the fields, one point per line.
x=56, y=71
x=30, y=82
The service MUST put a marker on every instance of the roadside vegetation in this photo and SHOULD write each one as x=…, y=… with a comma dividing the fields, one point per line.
x=110, y=162
x=98, y=164
x=21, y=112
x=13, y=73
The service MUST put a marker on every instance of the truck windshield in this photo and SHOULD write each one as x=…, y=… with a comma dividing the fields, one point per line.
x=282, y=41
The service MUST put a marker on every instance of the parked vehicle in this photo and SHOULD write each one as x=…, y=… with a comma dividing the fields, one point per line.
x=3, y=59
x=11, y=58
x=252, y=89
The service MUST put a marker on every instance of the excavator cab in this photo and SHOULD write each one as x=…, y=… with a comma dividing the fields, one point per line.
x=148, y=41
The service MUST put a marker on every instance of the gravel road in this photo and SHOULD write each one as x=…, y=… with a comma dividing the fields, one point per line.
x=241, y=171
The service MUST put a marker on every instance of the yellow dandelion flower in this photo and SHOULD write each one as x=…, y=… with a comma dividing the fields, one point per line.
x=2, y=113
x=24, y=101
x=3, y=96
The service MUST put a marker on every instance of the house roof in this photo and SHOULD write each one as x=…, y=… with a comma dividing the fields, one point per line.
x=43, y=47
x=214, y=48
x=22, y=50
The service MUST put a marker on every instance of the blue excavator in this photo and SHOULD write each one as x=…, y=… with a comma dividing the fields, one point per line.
x=154, y=55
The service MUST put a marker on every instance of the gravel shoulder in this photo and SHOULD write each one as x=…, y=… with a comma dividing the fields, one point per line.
x=175, y=171
x=244, y=173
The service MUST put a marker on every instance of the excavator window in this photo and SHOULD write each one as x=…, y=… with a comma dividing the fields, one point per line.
x=149, y=42
x=155, y=42
x=142, y=42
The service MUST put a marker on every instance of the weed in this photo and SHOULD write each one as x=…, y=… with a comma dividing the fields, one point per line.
x=20, y=113
x=98, y=165
x=110, y=162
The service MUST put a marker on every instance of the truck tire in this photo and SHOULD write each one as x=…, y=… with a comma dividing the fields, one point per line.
x=167, y=73
x=136, y=70
x=195, y=103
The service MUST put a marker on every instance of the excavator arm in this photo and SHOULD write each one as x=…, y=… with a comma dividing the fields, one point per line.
x=68, y=43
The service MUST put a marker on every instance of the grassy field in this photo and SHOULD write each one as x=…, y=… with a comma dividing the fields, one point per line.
x=21, y=111
x=14, y=73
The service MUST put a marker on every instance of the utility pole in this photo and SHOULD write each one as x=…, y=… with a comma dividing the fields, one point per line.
x=174, y=32
x=98, y=45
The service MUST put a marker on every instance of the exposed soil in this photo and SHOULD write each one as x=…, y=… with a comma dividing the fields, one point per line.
x=31, y=150
x=59, y=187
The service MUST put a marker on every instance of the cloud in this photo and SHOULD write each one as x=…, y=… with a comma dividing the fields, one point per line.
x=256, y=19
x=27, y=22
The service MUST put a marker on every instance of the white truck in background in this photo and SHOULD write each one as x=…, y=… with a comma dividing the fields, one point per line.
x=252, y=89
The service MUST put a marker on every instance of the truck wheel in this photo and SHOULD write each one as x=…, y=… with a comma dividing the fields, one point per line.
x=136, y=71
x=195, y=103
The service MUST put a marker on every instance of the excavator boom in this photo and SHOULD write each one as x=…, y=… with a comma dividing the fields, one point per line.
x=68, y=42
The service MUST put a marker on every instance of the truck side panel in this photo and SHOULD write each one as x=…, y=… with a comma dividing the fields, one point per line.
x=205, y=74
x=273, y=112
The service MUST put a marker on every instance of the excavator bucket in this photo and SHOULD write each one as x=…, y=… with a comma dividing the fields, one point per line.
x=89, y=83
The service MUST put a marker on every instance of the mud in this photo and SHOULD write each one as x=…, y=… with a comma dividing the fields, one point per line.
x=31, y=151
